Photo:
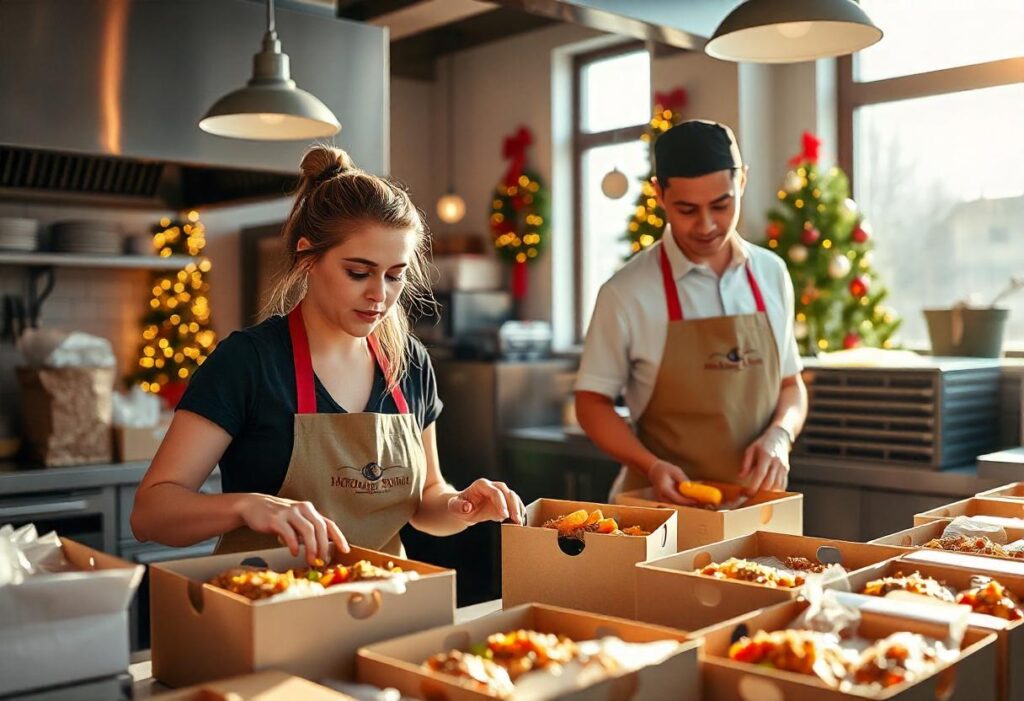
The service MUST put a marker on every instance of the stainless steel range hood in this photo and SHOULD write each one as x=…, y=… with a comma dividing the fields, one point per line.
x=101, y=98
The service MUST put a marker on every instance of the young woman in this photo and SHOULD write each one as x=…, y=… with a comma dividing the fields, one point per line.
x=322, y=416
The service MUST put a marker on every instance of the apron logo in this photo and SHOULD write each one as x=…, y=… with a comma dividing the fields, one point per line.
x=373, y=480
x=735, y=359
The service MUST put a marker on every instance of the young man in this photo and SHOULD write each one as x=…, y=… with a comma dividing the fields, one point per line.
x=698, y=331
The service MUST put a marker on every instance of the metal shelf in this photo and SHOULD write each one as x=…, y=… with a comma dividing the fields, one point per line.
x=77, y=260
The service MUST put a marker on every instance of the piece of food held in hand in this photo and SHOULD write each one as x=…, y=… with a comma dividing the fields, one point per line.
x=577, y=523
x=976, y=545
x=256, y=584
x=705, y=495
x=993, y=599
x=765, y=575
x=495, y=665
x=914, y=583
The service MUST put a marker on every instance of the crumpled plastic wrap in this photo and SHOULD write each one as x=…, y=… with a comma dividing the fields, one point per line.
x=394, y=584
x=53, y=348
x=974, y=528
x=136, y=409
x=24, y=553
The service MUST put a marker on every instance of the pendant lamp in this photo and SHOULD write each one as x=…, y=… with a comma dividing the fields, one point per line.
x=451, y=208
x=788, y=31
x=270, y=107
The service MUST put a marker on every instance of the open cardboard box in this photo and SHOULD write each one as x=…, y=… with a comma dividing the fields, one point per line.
x=201, y=632
x=781, y=512
x=67, y=626
x=261, y=686
x=1010, y=634
x=671, y=593
x=916, y=536
x=1001, y=512
x=398, y=663
x=596, y=574
x=970, y=678
x=1013, y=490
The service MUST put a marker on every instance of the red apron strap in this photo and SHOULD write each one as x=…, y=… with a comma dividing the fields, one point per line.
x=756, y=289
x=382, y=361
x=304, y=388
x=675, y=310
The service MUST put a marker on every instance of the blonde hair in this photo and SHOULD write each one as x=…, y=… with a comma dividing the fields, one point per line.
x=334, y=199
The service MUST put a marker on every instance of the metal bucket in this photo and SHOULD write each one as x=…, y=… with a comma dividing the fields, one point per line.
x=976, y=333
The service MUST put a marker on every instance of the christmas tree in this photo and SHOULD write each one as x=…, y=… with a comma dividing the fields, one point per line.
x=176, y=333
x=826, y=243
x=647, y=223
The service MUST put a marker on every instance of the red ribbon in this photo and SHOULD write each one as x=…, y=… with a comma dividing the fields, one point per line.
x=519, y=280
x=811, y=144
x=674, y=100
x=515, y=148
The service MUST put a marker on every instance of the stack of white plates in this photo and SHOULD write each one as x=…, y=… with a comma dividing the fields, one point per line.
x=18, y=234
x=91, y=237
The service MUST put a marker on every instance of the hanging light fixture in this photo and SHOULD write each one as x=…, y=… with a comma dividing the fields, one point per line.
x=787, y=31
x=270, y=107
x=450, y=207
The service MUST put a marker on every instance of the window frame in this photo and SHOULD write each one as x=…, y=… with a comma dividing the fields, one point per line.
x=581, y=143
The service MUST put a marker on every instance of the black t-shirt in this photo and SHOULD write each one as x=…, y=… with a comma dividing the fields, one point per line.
x=247, y=387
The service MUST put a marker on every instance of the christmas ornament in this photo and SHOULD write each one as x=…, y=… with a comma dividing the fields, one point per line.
x=793, y=182
x=861, y=234
x=849, y=205
x=809, y=152
x=614, y=184
x=800, y=330
x=774, y=230
x=810, y=236
x=839, y=266
x=798, y=254
x=858, y=287
x=851, y=340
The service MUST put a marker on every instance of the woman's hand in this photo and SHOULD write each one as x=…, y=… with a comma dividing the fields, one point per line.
x=485, y=500
x=295, y=523
x=665, y=478
x=766, y=462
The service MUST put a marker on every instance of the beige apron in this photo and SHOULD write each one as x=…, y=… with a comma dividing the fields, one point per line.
x=716, y=390
x=365, y=471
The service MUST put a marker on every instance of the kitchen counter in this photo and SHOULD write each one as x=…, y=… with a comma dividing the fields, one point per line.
x=851, y=500
x=26, y=478
x=145, y=687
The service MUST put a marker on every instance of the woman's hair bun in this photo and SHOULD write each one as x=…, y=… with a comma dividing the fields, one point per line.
x=322, y=162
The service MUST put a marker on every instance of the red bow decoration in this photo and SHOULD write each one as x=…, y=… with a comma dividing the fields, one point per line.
x=811, y=144
x=515, y=148
x=674, y=100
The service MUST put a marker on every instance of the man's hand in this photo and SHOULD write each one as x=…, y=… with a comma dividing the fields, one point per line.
x=766, y=462
x=665, y=478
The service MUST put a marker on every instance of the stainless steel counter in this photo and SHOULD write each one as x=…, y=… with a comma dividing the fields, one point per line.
x=27, y=478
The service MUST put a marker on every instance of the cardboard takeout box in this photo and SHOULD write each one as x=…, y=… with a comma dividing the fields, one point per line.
x=671, y=592
x=781, y=512
x=595, y=574
x=202, y=632
x=399, y=663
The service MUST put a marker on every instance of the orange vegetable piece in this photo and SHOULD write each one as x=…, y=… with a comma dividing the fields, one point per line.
x=573, y=520
x=594, y=517
x=607, y=525
x=701, y=493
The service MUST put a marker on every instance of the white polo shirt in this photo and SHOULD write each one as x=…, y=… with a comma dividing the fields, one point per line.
x=627, y=332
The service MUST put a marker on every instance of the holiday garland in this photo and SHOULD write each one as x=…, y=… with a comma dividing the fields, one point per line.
x=519, y=211
x=647, y=223
x=826, y=243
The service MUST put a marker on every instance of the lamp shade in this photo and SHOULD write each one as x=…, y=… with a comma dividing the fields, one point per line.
x=270, y=107
x=788, y=31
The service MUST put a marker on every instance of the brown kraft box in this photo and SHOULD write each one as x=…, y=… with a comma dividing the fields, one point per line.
x=1013, y=490
x=201, y=632
x=671, y=593
x=1010, y=634
x=398, y=663
x=261, y=686
x=970, y=678
x=781, y=512
x=1007, y=513
x=596, y=574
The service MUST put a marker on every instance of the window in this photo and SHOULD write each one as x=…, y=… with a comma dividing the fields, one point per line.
x=612, y=105
x=930, y=130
